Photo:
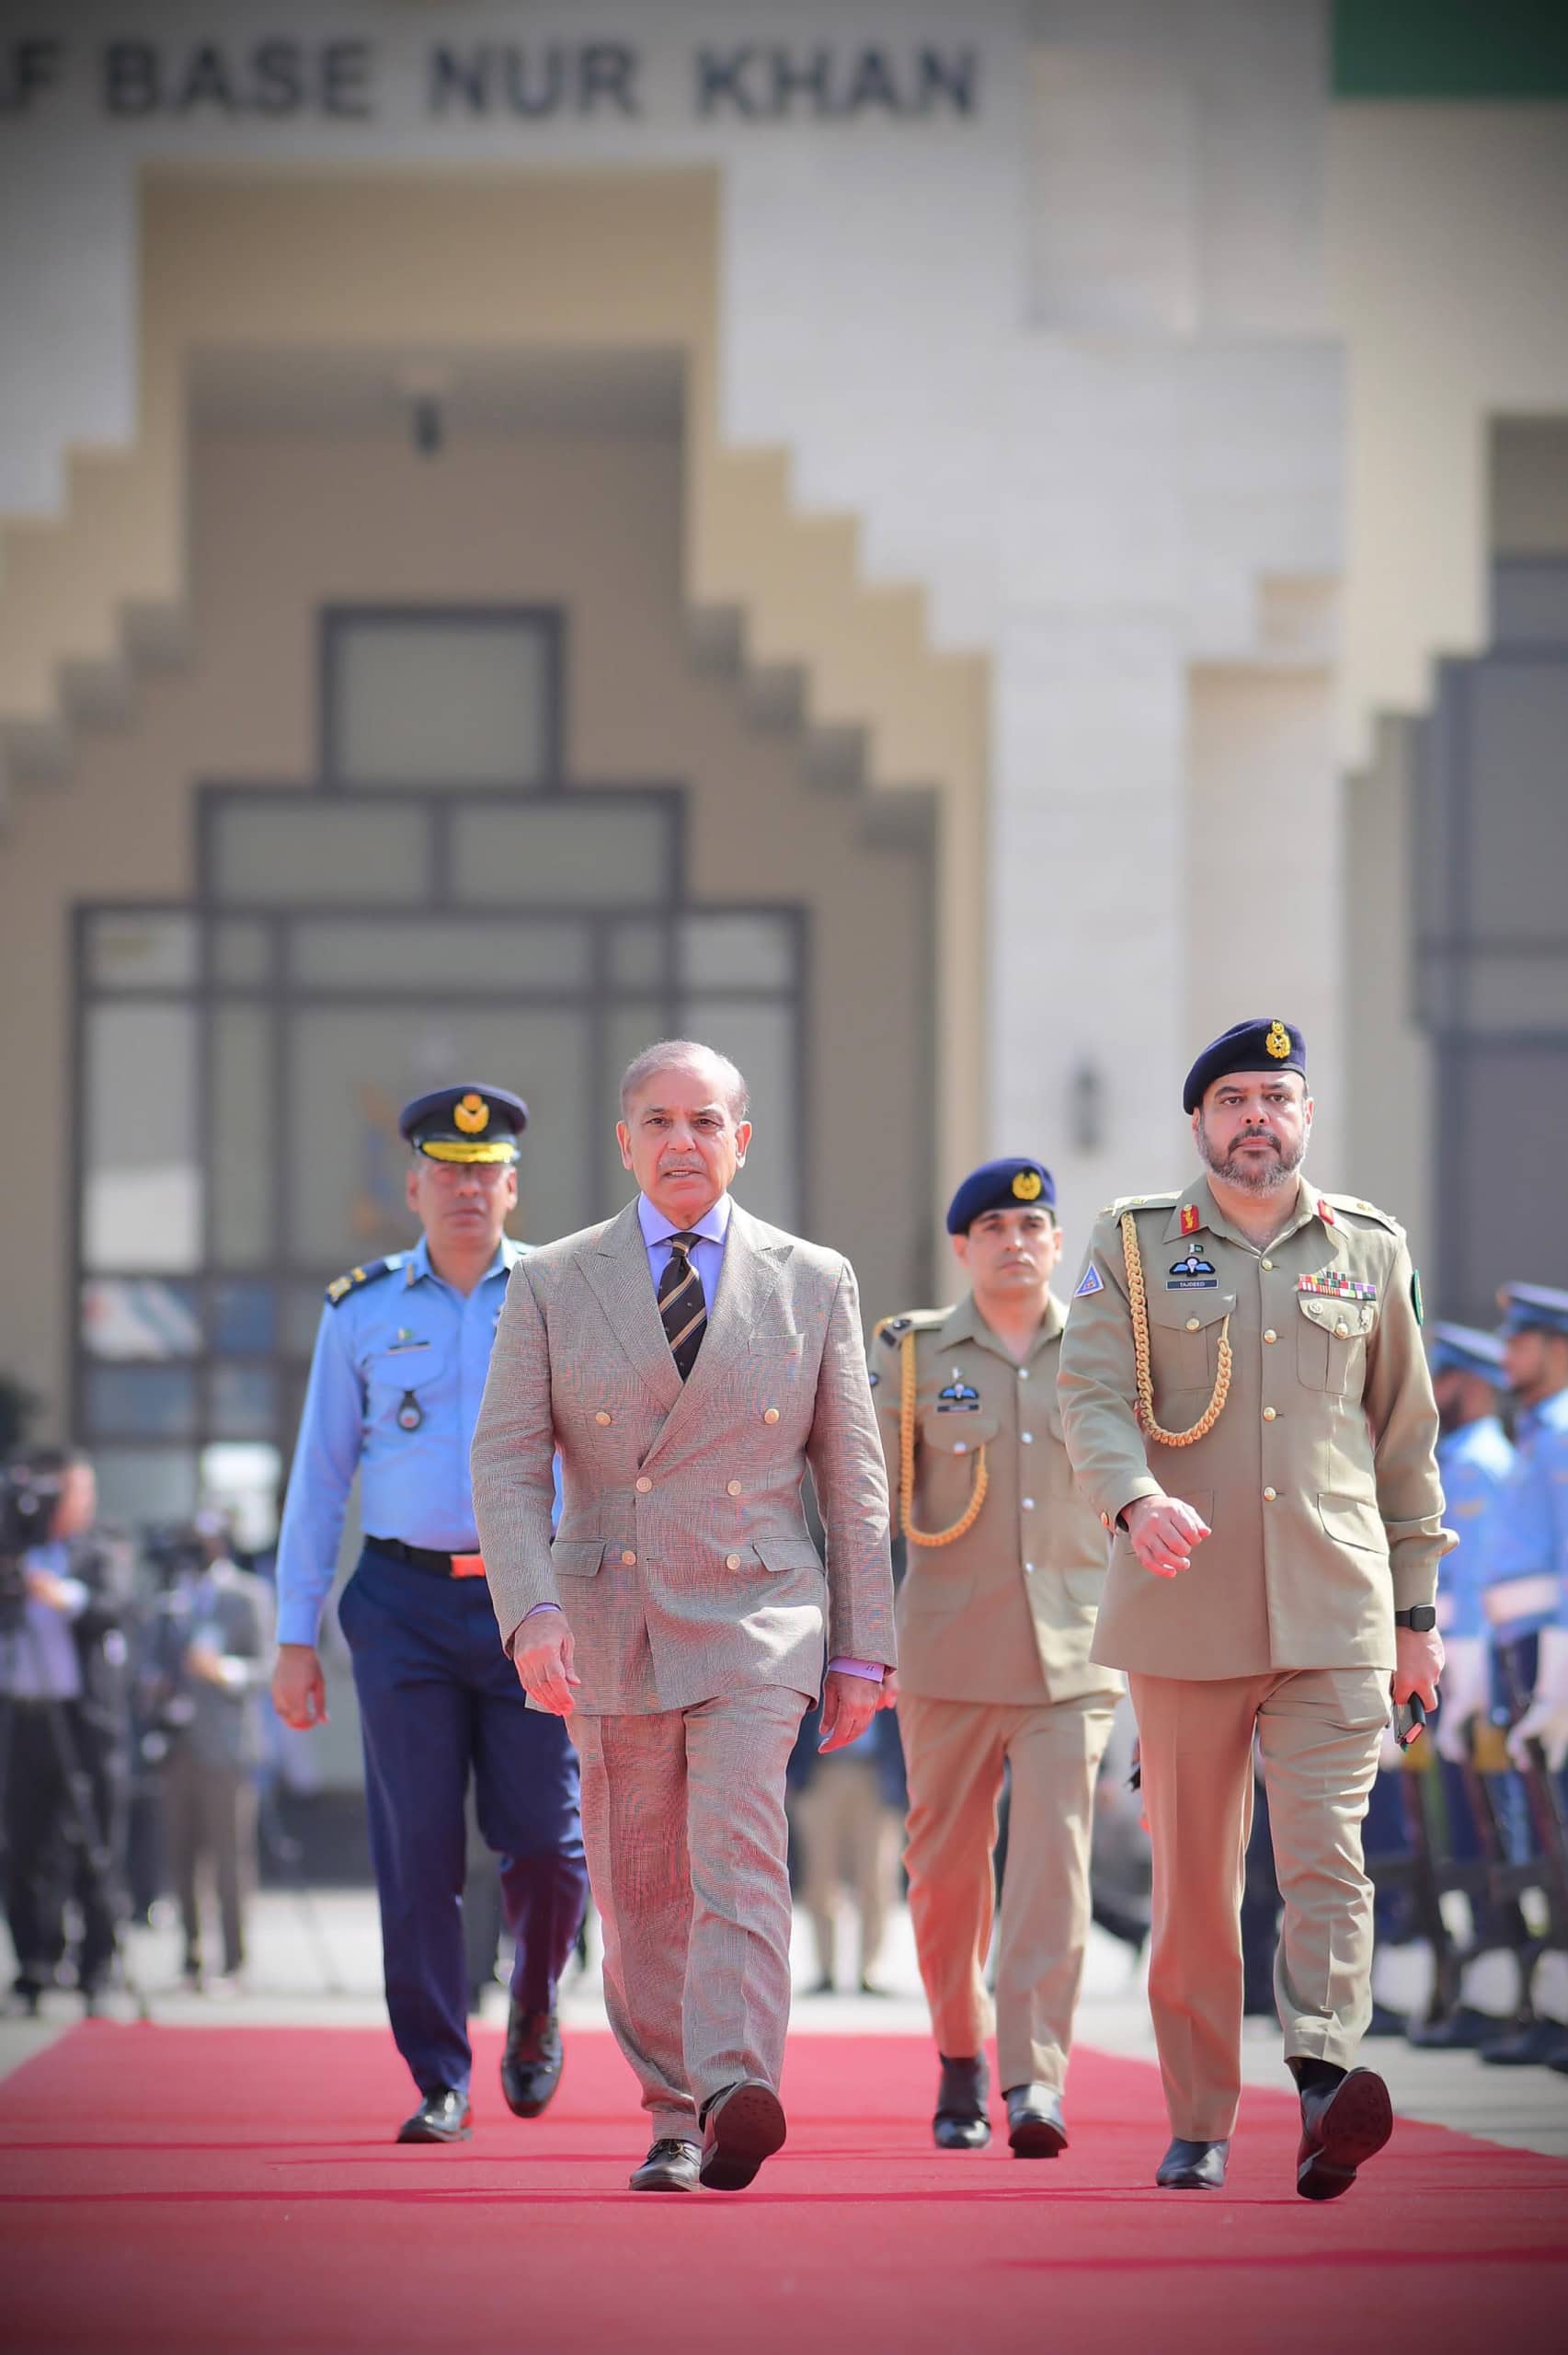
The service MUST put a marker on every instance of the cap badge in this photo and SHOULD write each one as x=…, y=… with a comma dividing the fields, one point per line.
x=1027, y=1185
x=471, y=1114
x=1277, y=1043
x=1190, y=1220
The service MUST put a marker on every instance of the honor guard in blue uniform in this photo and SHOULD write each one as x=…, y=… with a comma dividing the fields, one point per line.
x=399, y=1370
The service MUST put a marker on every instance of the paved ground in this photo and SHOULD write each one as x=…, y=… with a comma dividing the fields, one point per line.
x=316, y=1958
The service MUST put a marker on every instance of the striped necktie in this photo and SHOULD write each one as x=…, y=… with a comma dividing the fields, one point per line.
x=681, y=1305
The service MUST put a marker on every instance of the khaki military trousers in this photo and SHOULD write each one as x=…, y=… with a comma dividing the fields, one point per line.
x=683, y=1824
x=1319, y=1731
x=954, y=1753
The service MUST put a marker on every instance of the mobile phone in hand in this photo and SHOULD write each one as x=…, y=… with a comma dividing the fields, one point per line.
x=1410, y=1718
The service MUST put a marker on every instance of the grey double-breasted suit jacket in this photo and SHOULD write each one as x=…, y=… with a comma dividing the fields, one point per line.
x=684, y=1560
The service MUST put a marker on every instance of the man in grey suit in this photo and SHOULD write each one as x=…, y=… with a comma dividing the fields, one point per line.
x=689, y=1363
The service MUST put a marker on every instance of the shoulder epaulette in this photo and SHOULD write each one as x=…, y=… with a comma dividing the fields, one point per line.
x=892, y=1329
x=340, y=1287
x=1141, y=1202
x=1364, y=1210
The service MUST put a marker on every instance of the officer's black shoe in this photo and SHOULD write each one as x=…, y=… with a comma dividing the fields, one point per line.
x=1345, y=2120
x=671, y=2166
x=1559, y=2059
x=1464, y=2031
x=532, y=2062
x=743, y=2126
x=1035, y=2127
x=1524, y=2047
x=960, y=2122
x=442, y=2116
x=1193, y=2167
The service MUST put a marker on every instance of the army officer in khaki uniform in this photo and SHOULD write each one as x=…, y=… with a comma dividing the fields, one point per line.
x=1247, y=1402
x=1005, y=1564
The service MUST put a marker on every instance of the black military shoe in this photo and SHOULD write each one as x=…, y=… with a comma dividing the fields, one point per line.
x=1525, y=2047
x=444, y=2117
x=671, y=2166
x=1344, y=2121
x=960, y=2123
x=532, y=2062
x=1193, y=2167
x=1464, y=2030
x=1035, y=2127
x=743, y=2126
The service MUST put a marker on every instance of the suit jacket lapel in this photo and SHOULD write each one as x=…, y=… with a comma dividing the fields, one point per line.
x=617, y=1268
x=750, y=1277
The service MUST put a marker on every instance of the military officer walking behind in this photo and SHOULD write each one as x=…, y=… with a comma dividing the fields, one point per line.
x=1247, y=1403
x=1005, y=1563
x=395, y=1384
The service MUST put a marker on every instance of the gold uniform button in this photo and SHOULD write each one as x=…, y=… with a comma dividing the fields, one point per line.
x=1269, y=1413
x=1028, y=1437
x=601, y=1417
x=629, y=1558
x=1028, y=1504
x=1192, y=1325
x=772, y=1415
x=644, y=1485
x=1342, y=1332
x=732, y=1488
x=1268, y=1263
x=1269, y=1496
x=1271, y=1335
x=1023, y=1373
x=732, y=1561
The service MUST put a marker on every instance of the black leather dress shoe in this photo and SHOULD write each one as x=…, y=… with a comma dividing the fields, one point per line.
x=1524, y=2047
x=1193, y=2167
x=745, y=2125
x=531, y=2061
x=960, y=2122
x=1035, y=2127
x=1343, y=2126
x=441, y=2118
x=671, y=2166
x=1463, y=2030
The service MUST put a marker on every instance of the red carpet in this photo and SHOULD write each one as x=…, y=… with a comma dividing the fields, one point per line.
x=219, y=2191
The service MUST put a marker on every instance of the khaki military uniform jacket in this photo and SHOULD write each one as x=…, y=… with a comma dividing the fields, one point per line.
x=1005, y=1612
x=1319, y=1480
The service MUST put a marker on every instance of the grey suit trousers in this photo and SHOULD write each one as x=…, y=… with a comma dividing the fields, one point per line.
x=683, y=1822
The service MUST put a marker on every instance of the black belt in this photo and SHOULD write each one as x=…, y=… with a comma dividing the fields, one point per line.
x=424, y=1558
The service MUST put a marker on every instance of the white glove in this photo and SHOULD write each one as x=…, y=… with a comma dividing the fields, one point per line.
x=1546, y=1720
x=1466, y=1691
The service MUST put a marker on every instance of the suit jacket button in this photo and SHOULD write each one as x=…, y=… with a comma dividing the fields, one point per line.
x=1271, y=1335
x=772, y=1415
x=629, y=1558
x=732, y=1561
x=1269, y=1413
x=1269, y=1495
x=732, y=1488
x=644, y=1485
x=601, y=1417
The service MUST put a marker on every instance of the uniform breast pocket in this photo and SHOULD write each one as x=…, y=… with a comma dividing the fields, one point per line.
x=1183, y=1337
x=950, y=1436
x=1330, y=1341
x=401, y=1379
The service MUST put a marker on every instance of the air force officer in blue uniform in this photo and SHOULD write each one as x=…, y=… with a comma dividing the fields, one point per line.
x=399, y=1370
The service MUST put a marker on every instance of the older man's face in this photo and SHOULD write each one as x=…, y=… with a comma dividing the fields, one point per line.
x=1252, y=1129
x=681, y=1140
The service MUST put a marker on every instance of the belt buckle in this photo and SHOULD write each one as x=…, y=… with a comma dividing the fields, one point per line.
x=468, y=1565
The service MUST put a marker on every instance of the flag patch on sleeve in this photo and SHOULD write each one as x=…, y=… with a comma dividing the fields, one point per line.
x=1092, y=1281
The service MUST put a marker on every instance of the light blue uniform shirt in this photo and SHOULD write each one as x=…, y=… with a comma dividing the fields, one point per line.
x=37, y=1658
x=1474, y=1461
x=1527, y=1544
x=404, y=1344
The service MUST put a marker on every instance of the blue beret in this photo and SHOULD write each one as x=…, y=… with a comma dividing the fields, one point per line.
x=1533, y=1308
x=1246, y=1046
x=1464, y=1348
x=473, y=1122
x=1000, y=1186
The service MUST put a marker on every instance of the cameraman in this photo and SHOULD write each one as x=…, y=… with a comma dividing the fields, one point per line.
x=63, y=1711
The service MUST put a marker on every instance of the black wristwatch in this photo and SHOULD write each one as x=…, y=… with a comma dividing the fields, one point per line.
x=1421, y=1617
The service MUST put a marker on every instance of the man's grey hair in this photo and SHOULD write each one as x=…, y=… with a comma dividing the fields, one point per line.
x=680, y=1054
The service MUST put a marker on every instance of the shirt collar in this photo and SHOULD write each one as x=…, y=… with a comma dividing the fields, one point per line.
x=417, y=1264
x=1198, y=1199
x=713, y=1226
x=965, y=1322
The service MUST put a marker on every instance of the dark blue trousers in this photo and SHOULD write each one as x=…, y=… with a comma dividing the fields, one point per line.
x=439, y=1699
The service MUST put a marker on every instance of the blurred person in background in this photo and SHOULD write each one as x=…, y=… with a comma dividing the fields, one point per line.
x=1004, y=1570
x=847, y=1806
x=64, y=1678
x=395, y=1385
x=210, y=1656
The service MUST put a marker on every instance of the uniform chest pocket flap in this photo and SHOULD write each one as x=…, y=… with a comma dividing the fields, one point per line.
x=1184, y=1334
x=962, y=1433
x=1326, y=1334
x=396, y=1367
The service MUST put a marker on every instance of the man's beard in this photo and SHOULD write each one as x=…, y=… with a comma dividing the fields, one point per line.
x=1250, y=1177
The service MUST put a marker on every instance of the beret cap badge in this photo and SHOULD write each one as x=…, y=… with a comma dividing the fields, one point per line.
x=472, y=1115
x=1027, y=1185
x=1277, y=1043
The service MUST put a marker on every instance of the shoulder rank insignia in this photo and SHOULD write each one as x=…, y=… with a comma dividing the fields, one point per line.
x=1092, y=1281
x=340, y=1287
x=891, y=1327
x=1324, y=1211
x=1328, y=1203
x=1191, y=1220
